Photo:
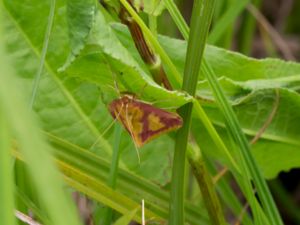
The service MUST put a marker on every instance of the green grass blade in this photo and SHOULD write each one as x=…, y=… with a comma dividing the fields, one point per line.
x=6, y=175
x=184, y=29
x=228, y=195
x=53, y=197
x=200, y=23
x=113, y=173
x=177, y=17
x=226, y=20
x=236, y=132
x=247, y=31
x=38, y=213
x=43, y=54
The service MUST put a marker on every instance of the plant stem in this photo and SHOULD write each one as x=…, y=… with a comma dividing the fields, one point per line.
x=113, y=173
x=247, y=31
x=151, y=38
x=206, y=185
x=226, y=20
x=200, y=23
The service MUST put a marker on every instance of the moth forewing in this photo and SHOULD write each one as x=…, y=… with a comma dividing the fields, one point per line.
x=143, y=121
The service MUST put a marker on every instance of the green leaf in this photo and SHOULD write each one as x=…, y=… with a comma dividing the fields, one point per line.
x=64, y=107
x=80, y=16
x=254, y=102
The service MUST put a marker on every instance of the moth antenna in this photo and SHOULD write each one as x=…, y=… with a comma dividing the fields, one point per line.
x=106, y=130
x=130, y=131
x=114, y=76
x=112, y=87
x=143, y=212
x=117, y=87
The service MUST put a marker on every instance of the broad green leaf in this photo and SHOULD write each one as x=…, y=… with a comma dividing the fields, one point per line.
x=64, y=107
x=277, y=149
x=80, y=17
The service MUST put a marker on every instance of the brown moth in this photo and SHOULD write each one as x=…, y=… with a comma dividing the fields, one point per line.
x=143, y=121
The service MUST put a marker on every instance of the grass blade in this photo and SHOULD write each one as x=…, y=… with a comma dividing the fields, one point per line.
x=113, y=173
x=53, y=197
x=236, y=132
x=6, y=175
x=43, y=55
x=200, y=23
x=226, y=20
x=247, y=31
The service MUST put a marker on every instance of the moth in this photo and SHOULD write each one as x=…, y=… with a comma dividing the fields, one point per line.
x=143, y=121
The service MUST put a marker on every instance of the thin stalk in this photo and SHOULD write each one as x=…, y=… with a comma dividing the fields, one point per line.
x=145, y=50
x=178, y=19
x=226, y=20
x=43, y=55
x=229, y=197
x=151, y=38
x=200, y=23
x=206, y=185
x=199, y=111
x=113, y=173
x=153, y=24
x=247, y=31
x=6, y=176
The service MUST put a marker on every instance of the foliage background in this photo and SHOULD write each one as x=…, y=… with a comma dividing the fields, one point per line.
x=77, y=81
